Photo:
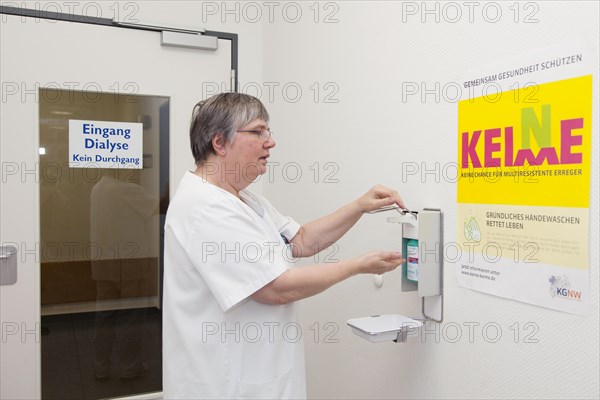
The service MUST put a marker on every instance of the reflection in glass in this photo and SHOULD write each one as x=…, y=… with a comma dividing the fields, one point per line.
x=121, y=213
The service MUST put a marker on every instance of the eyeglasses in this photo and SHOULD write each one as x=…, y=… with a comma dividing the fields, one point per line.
x=264, y=134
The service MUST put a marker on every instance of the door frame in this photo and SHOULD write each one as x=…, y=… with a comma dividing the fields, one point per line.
x=59, y=16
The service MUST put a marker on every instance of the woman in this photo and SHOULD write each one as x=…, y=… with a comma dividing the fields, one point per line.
x=229, y=323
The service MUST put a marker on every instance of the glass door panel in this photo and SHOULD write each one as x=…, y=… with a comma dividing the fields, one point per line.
x=101, y=250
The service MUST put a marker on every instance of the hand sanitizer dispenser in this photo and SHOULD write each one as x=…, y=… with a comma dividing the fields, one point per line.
x=422, y=270
x=422, y=249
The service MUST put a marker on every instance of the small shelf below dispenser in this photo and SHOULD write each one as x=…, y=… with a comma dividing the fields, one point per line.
x=384, y=328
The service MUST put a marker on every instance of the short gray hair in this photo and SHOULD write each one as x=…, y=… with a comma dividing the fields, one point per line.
x=223, y=113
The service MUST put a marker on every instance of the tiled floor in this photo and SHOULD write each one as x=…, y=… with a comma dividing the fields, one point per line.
x=68, y=353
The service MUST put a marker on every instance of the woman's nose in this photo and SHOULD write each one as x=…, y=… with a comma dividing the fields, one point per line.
x=270, y=143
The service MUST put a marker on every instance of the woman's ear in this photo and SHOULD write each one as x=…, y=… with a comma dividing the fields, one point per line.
x=218, y=143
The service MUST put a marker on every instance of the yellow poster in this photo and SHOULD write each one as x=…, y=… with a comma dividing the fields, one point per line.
x=523, y=193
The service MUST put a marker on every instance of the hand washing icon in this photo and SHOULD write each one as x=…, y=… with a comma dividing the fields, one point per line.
x=472, y=231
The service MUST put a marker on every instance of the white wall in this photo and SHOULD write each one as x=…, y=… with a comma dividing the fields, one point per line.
x=368, y=135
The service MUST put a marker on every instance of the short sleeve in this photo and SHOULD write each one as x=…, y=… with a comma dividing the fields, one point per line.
x=233, y=252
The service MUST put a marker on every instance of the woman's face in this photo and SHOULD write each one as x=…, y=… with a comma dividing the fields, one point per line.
x=247, y=154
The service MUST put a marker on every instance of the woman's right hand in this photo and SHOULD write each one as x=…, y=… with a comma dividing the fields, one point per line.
x=378, y=262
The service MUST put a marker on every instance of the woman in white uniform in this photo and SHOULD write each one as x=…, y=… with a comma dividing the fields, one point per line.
x=229, y=321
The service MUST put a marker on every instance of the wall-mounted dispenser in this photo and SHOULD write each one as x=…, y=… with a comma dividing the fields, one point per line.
x=422, y=272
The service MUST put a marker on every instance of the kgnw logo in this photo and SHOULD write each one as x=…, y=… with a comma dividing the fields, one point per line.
x=561, y=286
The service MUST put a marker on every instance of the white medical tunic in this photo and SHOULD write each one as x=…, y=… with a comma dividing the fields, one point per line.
x=218, y=343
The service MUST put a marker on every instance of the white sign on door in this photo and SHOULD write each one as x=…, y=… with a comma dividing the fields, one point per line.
x=105, y=144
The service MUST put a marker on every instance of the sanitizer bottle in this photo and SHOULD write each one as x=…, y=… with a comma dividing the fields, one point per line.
x=412, y=260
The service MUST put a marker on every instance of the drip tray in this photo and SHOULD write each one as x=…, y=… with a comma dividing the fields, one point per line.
x=383, y=328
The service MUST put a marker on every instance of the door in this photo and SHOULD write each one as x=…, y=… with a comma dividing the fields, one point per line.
x=87, y=234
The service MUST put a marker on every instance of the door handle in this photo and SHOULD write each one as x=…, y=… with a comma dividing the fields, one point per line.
x=8, y=265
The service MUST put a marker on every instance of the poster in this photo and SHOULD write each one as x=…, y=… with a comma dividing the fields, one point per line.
x=523, y=193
